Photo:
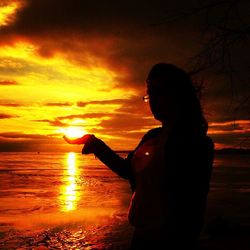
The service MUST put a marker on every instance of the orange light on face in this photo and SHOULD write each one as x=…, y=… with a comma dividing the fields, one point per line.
x=74, y=132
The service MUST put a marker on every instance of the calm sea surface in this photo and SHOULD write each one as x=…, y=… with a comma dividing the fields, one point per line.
x=71, y=201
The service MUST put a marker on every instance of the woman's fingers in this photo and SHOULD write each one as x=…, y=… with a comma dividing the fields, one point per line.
x=81, y=140
x=73, y=141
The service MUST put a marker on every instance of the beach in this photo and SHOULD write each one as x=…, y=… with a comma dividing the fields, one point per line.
x=71, y=201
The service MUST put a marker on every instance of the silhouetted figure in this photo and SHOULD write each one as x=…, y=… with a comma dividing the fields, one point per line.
x=169, y=171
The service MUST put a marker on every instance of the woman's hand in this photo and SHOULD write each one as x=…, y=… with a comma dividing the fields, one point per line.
x=81, y=140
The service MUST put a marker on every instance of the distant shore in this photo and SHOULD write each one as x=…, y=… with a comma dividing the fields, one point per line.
x=232, y=151
x=217, y=151
x=236, y=151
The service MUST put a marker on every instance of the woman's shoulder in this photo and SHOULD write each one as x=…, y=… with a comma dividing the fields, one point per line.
x=152, y=133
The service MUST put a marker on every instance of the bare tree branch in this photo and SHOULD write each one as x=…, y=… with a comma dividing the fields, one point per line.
x=221, y=35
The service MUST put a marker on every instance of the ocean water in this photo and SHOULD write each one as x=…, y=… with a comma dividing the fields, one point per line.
x=55, y=196
x=71, y=201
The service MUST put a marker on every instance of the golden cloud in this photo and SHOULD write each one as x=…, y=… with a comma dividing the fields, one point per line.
x=6, y=116
x=7, y=12
x=8, y=82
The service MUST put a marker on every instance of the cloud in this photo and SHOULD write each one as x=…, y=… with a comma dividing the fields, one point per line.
x=8, y=82
x=222, y=108
x=15, y=141
x=58, y=104
x=119, y=36
x=81, y=15
x=11, y=146
x=11, y=105
x=6, y=116
x=231, y=126
x=63, y=121
x=18, y=135
x=232, y=139
x=127, y=39
x=18, y=141
x=56, y=122
x=230, y=133
x=131, y=117
x=84, y=116
x=133, y=105
x=101, y=102
x=7, y=11
x=121, y=122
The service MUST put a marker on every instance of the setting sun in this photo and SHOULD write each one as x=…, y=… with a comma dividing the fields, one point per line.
x=74, y=132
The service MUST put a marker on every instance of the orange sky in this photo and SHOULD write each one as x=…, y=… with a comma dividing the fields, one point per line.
x=55, y=74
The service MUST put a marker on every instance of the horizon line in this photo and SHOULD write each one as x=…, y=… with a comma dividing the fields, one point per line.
x=117, y=151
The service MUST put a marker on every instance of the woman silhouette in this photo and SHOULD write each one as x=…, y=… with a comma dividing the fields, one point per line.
x=169, y=171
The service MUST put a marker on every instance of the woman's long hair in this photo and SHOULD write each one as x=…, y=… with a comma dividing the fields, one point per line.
x=185, y=94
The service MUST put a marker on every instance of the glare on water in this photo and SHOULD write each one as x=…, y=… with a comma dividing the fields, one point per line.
x=70, y=194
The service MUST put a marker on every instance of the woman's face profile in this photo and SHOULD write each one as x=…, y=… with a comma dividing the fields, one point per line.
x=162, y=101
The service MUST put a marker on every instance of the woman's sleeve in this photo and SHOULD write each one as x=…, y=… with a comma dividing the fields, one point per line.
x=104, y=153
x=116, y=163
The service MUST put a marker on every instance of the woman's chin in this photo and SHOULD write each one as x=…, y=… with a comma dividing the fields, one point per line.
x=159, y=117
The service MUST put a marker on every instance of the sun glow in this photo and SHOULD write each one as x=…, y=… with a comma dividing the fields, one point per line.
x=74, y=132
x=40, y=81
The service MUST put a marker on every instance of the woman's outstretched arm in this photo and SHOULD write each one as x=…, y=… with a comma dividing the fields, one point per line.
x=105, y=154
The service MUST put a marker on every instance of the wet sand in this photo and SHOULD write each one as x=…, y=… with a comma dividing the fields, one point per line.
x=115, y=233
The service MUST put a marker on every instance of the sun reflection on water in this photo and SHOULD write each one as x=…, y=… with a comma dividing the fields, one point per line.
x=70, y=194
